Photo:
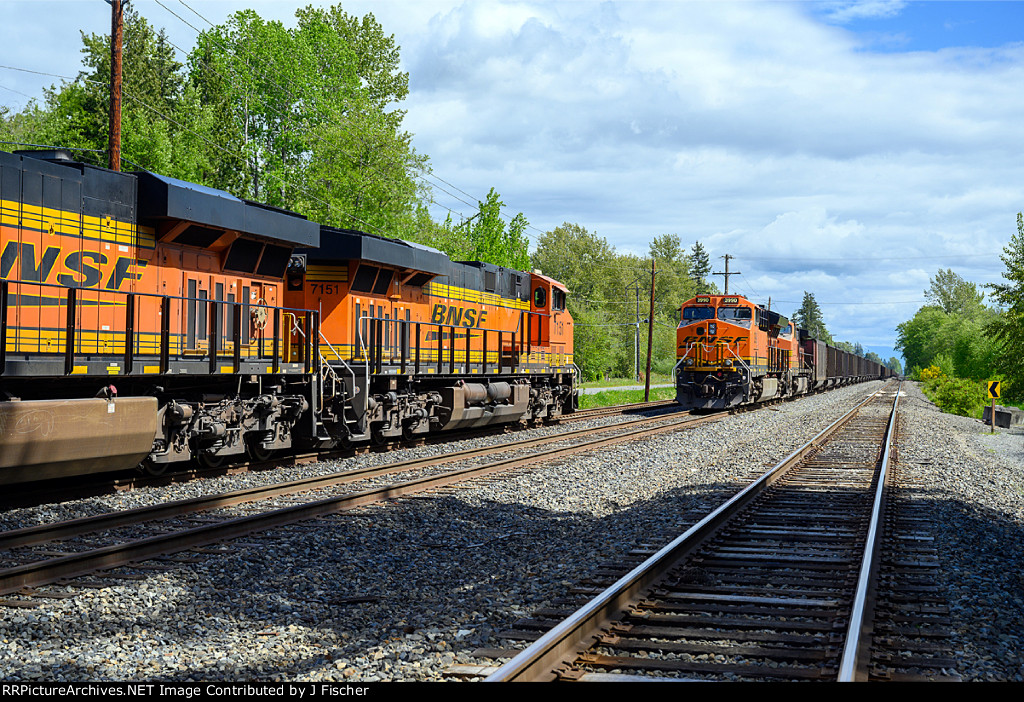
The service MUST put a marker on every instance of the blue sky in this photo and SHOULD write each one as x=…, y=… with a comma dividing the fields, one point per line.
x=893, y=27
x=848, y=149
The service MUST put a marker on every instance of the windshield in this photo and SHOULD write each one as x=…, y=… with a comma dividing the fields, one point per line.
x=691, y=314
x=739, y=316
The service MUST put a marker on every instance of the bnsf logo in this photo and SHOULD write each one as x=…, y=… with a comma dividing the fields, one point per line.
x=80, y=269
x=712, y=339
x=455, y=316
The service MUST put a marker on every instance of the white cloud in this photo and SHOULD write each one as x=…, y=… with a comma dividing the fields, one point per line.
x=756, y=128
x=843, y=12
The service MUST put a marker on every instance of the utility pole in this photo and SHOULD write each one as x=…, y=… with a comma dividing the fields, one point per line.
x=727, y=273
x=650, y=340
x=636, y=338
x=116, y=38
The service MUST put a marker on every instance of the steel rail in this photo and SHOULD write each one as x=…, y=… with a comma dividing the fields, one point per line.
x=856, y=653
x=592, y=412
x=41, y=533
x=77, y=564
x=539, y=661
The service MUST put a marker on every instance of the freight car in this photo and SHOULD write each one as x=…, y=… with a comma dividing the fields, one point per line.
x=146, y=321
x=731, y=351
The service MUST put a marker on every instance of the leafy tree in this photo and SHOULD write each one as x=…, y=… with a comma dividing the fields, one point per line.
x=1008, y=328
x=922, y=338
x=486, y=237
x=809, y=317
x=953, y=294
x=674, y=284
x=894, y=365
x=302, y=120
x=580, y=259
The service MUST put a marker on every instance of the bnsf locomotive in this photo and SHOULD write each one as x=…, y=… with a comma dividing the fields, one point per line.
x=731, y=351
x=149, y=321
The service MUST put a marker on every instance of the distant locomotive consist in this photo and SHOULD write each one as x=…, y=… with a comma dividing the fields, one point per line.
x=149, y=321
x=731, y=351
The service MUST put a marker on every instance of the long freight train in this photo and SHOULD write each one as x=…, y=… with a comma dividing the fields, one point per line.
x=149, y=321
x=731, y=351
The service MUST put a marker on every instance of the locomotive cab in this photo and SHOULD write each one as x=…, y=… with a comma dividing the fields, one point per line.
x=715, y=341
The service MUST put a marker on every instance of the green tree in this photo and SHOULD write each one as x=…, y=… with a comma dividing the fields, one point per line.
x=302, y=120
x=486, y=237
x=578, y=258
x=809, y=317
x=953, y=294
x=700, y=268
x=76, y=114
x=923, y=337
x=674, y=284
x=1008, y=328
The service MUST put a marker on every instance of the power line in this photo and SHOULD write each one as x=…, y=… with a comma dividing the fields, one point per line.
x=418, y=176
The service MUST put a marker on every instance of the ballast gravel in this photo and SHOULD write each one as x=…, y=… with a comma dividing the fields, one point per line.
x=406, y=589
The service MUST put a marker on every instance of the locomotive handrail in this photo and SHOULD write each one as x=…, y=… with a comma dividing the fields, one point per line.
x=75, y=297
x=365, y=344
x=736, y=356
x=355, y=386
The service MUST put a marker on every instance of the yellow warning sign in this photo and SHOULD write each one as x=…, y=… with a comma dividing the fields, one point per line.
x=993, y=389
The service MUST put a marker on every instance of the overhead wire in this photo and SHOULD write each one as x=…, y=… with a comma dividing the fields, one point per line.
x=427, y=173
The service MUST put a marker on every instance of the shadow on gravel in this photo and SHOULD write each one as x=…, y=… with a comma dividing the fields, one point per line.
x=426, y=579
x=413, y=579
x=981, y=552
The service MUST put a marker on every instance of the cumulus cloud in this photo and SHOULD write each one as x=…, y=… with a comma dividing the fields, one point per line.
x=769, y=131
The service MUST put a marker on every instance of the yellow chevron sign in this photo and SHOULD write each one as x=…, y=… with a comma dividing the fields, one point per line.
x=993, y=389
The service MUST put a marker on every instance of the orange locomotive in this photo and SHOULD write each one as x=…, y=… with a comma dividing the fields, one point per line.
x=148, y=320
x=416, y=342
x=731, y=351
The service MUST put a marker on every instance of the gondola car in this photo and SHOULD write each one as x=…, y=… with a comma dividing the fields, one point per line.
x=149, y=321
x=731, y=351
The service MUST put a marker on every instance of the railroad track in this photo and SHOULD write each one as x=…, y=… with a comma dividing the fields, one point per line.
x=92, y=485
x=779, y=583
x=117, y=543
x=612, y=410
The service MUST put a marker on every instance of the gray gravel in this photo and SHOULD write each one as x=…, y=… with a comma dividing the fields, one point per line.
x=976, y=484
x=403, y=590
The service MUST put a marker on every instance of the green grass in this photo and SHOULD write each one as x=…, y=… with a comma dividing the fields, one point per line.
x=656, y=379
x=624, y=397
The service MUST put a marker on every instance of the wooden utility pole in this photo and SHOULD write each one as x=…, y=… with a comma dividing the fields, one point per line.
x=727, y=273
x=116, y=38
x=650, y=340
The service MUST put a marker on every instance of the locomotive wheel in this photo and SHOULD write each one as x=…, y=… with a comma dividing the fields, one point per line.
x=258, y=453
x=212, y=461
x=155, y=469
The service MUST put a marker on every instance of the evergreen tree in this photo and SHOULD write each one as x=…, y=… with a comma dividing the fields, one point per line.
x=1008, y=328
x=700, y=268
x=809, y=317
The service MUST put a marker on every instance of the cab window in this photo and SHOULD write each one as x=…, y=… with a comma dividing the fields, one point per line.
x=557, y=299
x=540, y=298
x=735, y=315
x=693, y=314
